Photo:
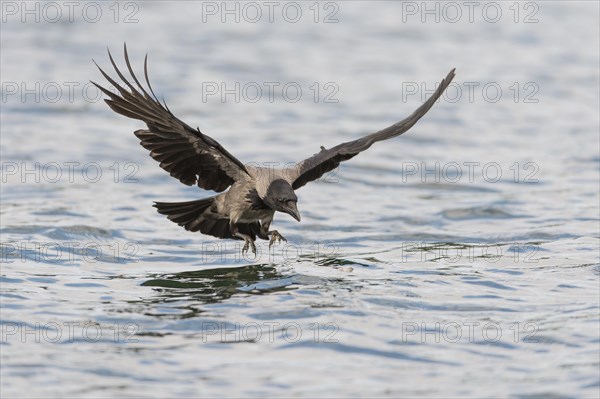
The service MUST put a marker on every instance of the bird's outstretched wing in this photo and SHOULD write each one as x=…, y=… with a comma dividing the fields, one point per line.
x=184, y=152
x=328, y=159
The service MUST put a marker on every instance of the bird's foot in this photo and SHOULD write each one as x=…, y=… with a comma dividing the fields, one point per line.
x=249, y=243
x=275, y=236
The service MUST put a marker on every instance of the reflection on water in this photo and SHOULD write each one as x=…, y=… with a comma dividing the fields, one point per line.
x=215, y=285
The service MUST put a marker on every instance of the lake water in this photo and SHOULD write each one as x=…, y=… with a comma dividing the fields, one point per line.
x=461, y=259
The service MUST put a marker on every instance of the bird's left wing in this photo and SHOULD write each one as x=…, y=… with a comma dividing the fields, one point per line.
x=187, y=154
x=328, y=159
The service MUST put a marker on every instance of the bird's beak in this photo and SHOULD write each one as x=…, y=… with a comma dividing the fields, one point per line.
x=292, y=210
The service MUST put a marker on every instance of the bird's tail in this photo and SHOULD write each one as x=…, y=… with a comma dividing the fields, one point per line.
x=200, y=215
x=194, y=216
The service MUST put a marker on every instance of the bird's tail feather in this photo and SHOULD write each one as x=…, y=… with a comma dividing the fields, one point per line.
x=193, y=216
x=199, y=216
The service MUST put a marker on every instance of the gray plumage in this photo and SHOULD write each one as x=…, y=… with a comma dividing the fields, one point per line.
x=246, y=210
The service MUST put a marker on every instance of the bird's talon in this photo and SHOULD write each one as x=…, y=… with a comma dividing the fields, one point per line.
x=275, y=236
x=249, y=244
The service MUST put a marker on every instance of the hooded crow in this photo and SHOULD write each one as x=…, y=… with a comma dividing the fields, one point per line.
x=245, y=211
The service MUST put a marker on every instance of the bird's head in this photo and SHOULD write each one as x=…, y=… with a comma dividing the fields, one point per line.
x=281, y=197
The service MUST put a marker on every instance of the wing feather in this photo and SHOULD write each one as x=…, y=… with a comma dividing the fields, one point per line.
x=187, y=154
x=328, y=159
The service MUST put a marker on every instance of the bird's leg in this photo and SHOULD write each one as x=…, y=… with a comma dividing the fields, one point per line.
x=275, y=236
x=248, y=241
x=265, y=232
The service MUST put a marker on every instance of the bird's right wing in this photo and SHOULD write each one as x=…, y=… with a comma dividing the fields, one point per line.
x=184, y=152
x=328, y=159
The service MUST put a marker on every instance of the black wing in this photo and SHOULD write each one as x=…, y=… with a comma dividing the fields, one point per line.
x=184, y=152
x=328, y=159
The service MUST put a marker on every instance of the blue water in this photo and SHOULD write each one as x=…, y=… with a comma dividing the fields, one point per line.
x=461, y=259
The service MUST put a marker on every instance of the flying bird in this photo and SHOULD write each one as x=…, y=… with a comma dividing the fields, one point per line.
x=245, y=211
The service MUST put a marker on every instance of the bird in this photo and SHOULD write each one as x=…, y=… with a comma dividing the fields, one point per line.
x=248, y=195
